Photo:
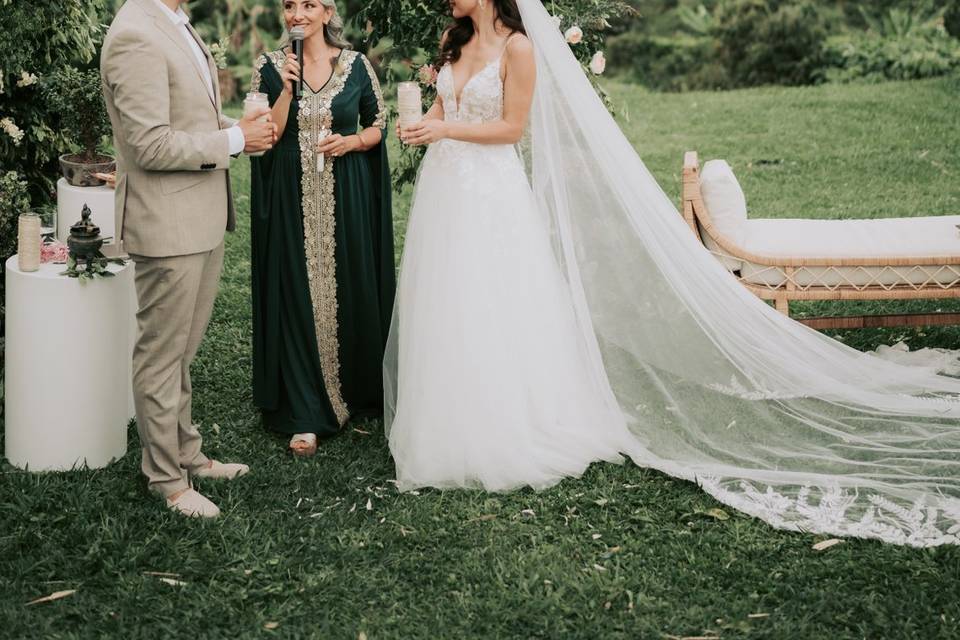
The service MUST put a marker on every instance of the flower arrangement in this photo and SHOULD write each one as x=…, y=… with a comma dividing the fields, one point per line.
x=219, y=52
x=54, y=252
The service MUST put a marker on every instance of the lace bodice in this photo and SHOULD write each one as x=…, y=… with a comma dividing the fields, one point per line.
x=481, y=168
x=481, y=99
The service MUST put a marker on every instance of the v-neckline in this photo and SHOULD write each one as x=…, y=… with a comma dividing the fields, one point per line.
x=333, y=70
x=453, y=79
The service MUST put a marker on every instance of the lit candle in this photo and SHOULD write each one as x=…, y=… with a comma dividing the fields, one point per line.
x=409, y=103
x=28, y=242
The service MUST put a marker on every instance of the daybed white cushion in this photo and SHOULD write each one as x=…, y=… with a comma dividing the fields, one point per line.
x=726, y=203
x=935, y=236
x=724, y=198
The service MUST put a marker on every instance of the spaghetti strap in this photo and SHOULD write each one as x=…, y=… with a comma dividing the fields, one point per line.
x=507, y=41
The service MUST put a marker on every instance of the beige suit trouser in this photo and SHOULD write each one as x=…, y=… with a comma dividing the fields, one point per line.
x=175, y=297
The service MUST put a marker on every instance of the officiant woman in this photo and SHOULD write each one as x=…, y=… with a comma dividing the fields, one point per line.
x=322, y=236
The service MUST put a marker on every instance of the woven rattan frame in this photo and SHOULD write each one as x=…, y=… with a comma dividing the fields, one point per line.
x=790, y=268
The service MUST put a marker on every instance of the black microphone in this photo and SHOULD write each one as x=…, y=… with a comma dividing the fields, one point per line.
x=296, y=41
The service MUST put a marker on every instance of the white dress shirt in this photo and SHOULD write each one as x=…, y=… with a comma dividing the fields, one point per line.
x=180, y=19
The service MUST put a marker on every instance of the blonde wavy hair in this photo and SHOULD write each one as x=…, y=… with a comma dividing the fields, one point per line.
x=332, y=31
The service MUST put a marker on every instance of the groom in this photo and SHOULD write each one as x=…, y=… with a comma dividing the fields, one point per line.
x=173, y=147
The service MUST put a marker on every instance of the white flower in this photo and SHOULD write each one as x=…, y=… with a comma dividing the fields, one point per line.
x=573, y=35
x=12, y=130
x=26, y=79
x=557, y=20
x=598, y=63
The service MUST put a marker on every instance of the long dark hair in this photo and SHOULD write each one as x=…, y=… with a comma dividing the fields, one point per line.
x=460, y=32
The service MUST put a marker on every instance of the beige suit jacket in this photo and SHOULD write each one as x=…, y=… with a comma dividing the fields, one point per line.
x=173, y=185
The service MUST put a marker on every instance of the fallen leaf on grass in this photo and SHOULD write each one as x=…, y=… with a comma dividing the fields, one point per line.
x=826, y=544
x=599, y=567
x=173, y=583
x=601, y=502
x=270, y=626
x=758, y=615
x=161, y=574
x=528, y=513
x=353, y=508
x=56, y=595
x=369, y=505
x=596, y=536
x=484, y=518
x=361, y=431
x=717, y=513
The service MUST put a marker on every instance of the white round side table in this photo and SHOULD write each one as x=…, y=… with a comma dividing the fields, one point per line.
x=67, y=368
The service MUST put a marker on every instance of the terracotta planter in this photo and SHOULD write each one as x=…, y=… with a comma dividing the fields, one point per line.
x=80, y=174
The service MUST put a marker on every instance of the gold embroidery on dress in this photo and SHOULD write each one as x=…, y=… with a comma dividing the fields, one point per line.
x=319, y=227
x=274, y=57
x=381, y=120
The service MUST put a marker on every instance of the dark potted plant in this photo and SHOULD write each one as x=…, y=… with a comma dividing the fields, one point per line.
x=76, y=96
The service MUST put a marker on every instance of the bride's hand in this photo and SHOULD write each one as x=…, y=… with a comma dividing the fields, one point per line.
x=424, y=132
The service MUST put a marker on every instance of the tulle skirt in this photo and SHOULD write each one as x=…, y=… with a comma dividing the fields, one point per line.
x=495, y=389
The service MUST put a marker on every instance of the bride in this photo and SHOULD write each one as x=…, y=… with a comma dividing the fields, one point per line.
x=553, y=310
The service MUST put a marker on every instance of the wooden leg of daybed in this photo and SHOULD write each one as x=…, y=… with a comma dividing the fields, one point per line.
x=879, y=321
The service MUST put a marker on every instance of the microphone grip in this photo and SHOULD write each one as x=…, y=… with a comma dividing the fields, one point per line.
x=298, y=85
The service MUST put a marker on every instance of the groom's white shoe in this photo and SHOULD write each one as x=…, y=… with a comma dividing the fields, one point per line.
x=191, y=504
x=222, y=470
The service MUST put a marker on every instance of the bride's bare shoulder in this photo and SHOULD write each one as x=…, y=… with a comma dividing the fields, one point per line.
x=518, y=44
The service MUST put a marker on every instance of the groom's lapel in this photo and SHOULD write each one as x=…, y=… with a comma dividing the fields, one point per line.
x=210, y=65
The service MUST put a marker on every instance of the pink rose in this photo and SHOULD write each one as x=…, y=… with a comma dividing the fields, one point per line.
x=598, y=63
x=574, y=35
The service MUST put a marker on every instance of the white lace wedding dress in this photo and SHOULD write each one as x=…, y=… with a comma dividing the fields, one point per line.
x=558, y=310
x=497, y=386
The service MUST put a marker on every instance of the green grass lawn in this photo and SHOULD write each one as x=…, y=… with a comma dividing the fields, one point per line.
x=327, y=548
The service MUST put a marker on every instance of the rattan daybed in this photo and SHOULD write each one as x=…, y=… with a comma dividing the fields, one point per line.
x=782, y=260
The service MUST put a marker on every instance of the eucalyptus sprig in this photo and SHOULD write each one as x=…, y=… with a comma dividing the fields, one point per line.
x=96, y=267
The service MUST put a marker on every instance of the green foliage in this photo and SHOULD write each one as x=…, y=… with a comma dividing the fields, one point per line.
x=679, y=63
x=951, y=18
x=38, y=38
x=902, y=22
x=684, y=44
x=699, y=20
x=898, y=45
x=14, y=200
x=408, y=31
x=769, y=41
x=78, y=99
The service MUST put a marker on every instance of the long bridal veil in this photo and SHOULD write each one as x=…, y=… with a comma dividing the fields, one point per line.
x=767, y=415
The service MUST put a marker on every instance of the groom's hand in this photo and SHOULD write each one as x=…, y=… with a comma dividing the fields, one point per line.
x=258, y=136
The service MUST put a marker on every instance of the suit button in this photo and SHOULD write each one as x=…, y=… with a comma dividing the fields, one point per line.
x=207, y=166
